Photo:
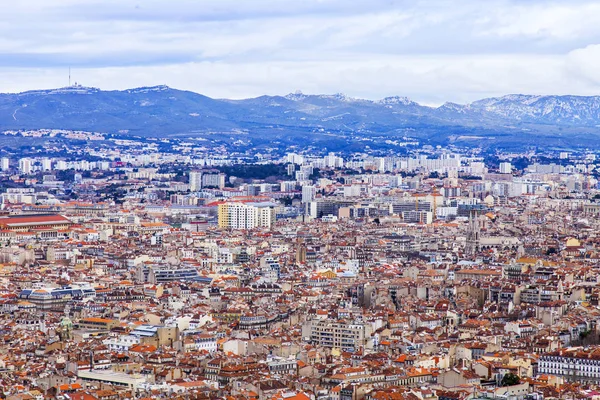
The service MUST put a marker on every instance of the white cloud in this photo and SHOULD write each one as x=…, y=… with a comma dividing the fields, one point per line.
x=431, y=50
x=553, y=21
x=583, y=64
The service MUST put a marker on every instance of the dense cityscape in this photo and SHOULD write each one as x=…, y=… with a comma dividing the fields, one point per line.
x=300, y=200
x=164, y=269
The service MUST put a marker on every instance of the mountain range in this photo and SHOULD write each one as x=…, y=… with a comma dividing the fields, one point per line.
x=160, y=111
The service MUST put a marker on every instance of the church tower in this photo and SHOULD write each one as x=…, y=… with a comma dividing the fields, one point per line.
x=473, y=234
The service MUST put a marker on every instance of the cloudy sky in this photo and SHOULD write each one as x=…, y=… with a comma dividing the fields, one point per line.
x=432, y=51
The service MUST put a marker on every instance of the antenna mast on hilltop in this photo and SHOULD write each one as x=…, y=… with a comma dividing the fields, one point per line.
x=69, y=76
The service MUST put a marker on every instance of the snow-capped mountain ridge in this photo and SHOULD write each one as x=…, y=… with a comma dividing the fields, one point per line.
x=542, y=109
x=397, y=100
x=75, y=89
x=149, y=89
x=296, y=96
x=163, y=111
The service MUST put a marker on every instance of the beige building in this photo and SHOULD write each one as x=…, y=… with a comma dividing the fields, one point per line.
x=337, y=334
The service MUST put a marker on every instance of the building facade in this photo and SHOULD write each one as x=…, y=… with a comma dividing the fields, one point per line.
x=235, y=215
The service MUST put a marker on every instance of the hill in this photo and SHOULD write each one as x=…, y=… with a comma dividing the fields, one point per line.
x=160, y=111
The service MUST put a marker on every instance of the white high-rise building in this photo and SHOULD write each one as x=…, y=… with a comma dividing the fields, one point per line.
x=294, y=158
x=246, y=215
x=215, y=180
x=333, y=161
x=287, y=186
x=25, y=166
x=301, y=176
x=85, y=165
x=505, y=168
x=308, y=194
x=204, y=179
x=46, y=164
x=195, y=180
x=5, y=164
x=61, y=165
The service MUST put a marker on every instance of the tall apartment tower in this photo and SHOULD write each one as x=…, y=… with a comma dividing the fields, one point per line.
x=234, y=215
x=215, y=180
x=25, y=166
x=47, y=164
x=308, y=194
x=195, y=180
x=505, y=168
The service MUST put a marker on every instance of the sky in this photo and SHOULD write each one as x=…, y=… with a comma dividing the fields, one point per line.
x=432, y=51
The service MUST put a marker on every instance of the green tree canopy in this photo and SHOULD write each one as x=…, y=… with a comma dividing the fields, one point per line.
x=510, y=379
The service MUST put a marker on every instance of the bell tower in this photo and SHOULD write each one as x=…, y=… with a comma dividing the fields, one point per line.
x=473, y=234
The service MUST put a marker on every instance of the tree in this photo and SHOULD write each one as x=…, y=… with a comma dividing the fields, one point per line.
x=510, y=379
x=286, y=201
x=315, y=175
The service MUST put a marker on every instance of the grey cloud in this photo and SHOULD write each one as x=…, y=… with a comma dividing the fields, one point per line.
x=432, y=50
